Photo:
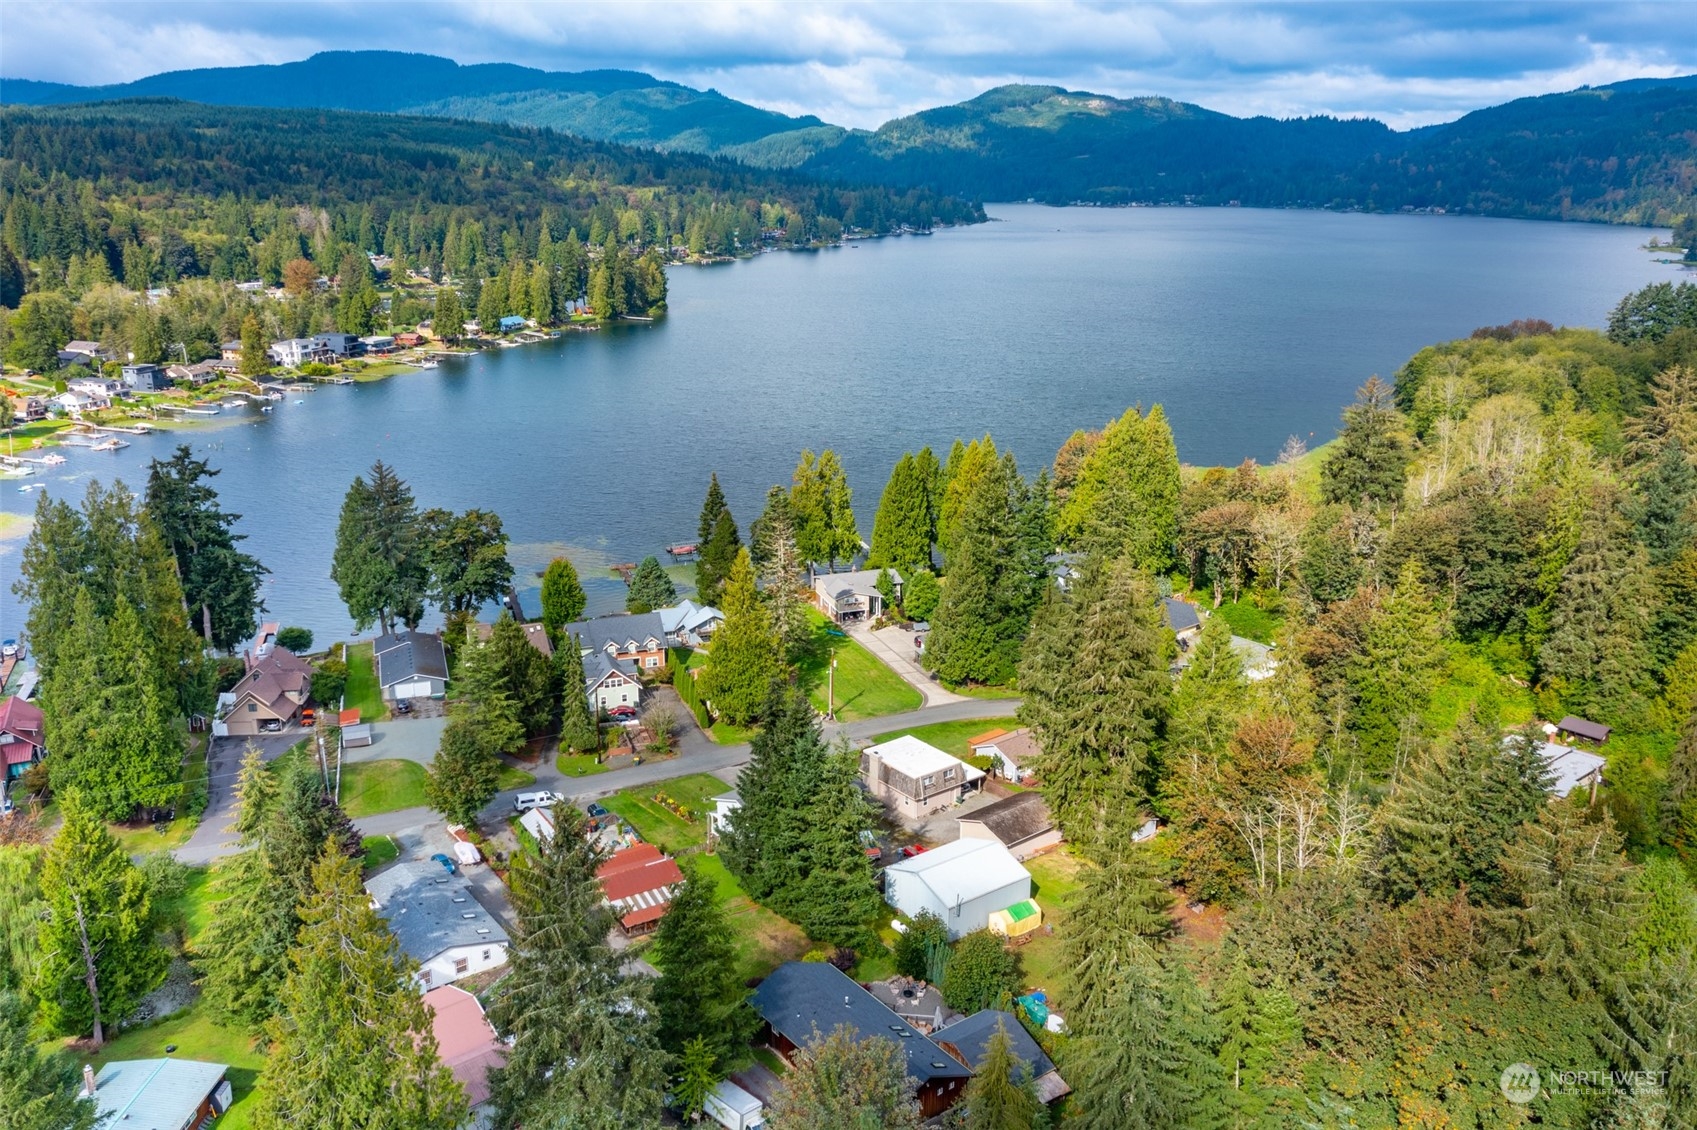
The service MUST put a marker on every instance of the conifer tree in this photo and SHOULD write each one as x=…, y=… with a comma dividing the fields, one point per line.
x=1125, y=500
x=823, y=505
x=777, y=522
x=717, y=543
x=585, y=1051
x=650, y=587
x=1661, y=510
x=1595, y=654
x=1397, y=668
x=448, y=318
x=256, y=360
x=563, y=598
x=352, y=1044
x=1119, y=1062
x=696, y=1077
x=744, y=657
x=920, y=595
x=464, y=775
x=1369, y=467
x=778, y=561
x=1096, y=694
x=831, y=893
x=1124, y=913
x=379, y=565
x=578, y=729
x=837, y=1082
x=98, y=957
x=902, y=530
x=220, y=582
x=515, y=668
x=1207, y=700
x=761, y=843
x=699, y=995
x=1001, y=1095
x=38, y=1088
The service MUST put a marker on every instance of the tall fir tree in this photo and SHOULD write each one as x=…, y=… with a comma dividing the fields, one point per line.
x=1369, y=466
x=1661, y=506
x=1002, y=1095
x=1096, y=695
x=1397, y=669
x=831, y=894
x=256, y=359
x=578, y=728
x=464, y=775
x=38, y=1087
x=717, y=543
x=379, y=564
x=1125, y=500
x=650, y=587
x=563, y=598
x=352, y=1044
x=98, y=956
x=1595, y=654
x=743, y=660
x=220, y=582
x=699, y=994
x=585, y=1050
x=763, y=840
x=1207, y=700
x=782, y=574
x=902, y=530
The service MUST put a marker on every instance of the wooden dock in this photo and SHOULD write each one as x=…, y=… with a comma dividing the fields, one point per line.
x=625, y=571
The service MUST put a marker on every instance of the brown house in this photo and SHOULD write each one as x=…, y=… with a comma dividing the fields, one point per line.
x=915, y=778
x=536, y=634
x=1020, y=823
x=270, y=695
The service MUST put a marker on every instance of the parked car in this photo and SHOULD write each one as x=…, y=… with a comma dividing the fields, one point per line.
x=448, y=865
x=403, y=706
x=596, y=811
x=912, y=850
x=524, y=802
x=309, y=717
x=270, y=725
x=622, y=713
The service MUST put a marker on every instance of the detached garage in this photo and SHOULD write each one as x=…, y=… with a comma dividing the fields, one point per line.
x=411, y=665
x=962, y=883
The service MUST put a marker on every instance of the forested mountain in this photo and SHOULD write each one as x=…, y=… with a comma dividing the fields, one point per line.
x=1623, y=153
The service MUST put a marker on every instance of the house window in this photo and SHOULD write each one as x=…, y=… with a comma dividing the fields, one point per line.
x=253, y=708
x=461, y=965
x=927, y=782
x=652, y=661
x=948, y=774
x=485, y=955
x=424, y=976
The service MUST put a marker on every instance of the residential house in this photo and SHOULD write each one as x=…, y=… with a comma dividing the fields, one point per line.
x=969, y=1042
x=269, y=697
x=1064, y=567
x=511, y=322
x=689, y=624
x=87, y=353
x=379, y=345
x=70, y=358
x=639, y=637
x=1571, y=768
x=145, y=378
x=409, y=340
x=75, y=403
x=610, y=682
x=1182, y=619
x=158, y=1094
x=849, y=598
x=802, y=1001
x=411, y=664
x=340, y=346
x=230, y=351
x=437, y=922
x=963, y=883
x=22, y=743
x=28, y=408
x=297, y=351
x=1257, y=658
x=1011, y=754
x=916, y=778
x=723, y=805
x=1584, y=729
x=916, y=1003
x=638, y=883
x=467, y=1045
x=199, y=373
x=99, y=388
x=535, y=634
x=1021, y=823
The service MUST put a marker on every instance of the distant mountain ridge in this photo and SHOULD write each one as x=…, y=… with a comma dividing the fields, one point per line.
x=1624, y=153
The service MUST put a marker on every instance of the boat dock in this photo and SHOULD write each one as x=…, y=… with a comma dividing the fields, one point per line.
x=132, y=430
x=625, y=571
x=683, y=551
x=187, y=409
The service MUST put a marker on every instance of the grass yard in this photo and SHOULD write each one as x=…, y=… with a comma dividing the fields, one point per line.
x=987, y=693
x=951, y=737
x=1055, y=882
x=1249, y=620
x=362, y=690
x=512, y=777
x=380, y=850
x=724, y=733
x=865, y=687
x=658, y=824
x=578, y=764
x=370, y=787
x=763, y=940
x=196, y=1037
x=143, y=838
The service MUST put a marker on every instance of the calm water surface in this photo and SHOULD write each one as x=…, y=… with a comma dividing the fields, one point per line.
x=1249, y=326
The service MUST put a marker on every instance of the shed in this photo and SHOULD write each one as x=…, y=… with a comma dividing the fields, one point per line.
x=723, y=805
x=511, y=322
x=638, y=883
x=962, y=883
x=1571, y=768
x=1017, y=920
x=1021, y=823
x=355, y=737
x=159, y=1094
x=1584, y=729
x=1012, y=755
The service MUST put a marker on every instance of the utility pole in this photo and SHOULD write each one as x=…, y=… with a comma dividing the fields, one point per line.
x=831, y=689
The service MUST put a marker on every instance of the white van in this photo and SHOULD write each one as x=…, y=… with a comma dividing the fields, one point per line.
x=524, y=802
x=734, y=1108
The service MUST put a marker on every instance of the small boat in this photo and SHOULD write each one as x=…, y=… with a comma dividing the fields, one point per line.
x=112, y=444
x=687, y=549
x=268, y=408
x=53, y=458
x=234, y=403
x=300, y=402
x=27, y=487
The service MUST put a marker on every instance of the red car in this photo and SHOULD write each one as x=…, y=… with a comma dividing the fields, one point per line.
x=623, y=713
x=912, y=850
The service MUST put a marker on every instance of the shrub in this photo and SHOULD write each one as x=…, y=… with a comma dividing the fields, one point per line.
x=297, y=640
x=923, y=951
x=329, y=681
x=982, y=973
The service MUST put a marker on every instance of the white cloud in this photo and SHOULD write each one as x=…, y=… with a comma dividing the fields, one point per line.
x=860, y=64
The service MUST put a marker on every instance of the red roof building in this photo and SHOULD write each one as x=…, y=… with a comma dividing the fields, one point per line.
x=638, y=883
x=466, y=1042
x=21, y=741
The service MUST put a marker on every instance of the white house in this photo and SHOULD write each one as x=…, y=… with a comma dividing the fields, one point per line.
x=849, y=598
x=963, y=883
x=1571, y=768
x=689, y=623
x=915, y=777
x=297, y=351
x=610, y=682
x=437, y=922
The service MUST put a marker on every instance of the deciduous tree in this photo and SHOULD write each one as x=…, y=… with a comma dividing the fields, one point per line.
x=563, y=598
x=837, y=1082
x=982, y=973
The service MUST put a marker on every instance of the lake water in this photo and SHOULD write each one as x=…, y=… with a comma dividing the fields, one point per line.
x=1248, y=326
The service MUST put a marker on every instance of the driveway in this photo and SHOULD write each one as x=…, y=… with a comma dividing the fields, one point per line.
x=894, y=648
x=403, y=739
x=212, y=837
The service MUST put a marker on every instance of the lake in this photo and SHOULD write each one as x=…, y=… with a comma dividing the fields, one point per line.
x=1248, y=326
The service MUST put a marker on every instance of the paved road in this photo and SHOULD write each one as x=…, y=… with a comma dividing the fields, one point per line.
x=696, y=755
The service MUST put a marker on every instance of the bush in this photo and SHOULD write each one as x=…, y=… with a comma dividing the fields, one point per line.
x=329, y=681
x=315, y=369
x=297, y=640
x=982, y=973
x=923, y=952
x=227, y=672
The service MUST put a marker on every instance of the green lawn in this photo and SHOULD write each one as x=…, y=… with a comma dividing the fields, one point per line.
x=513, y=777
x=196, y=1037
x=865, y=687
x=1249, y=620
x=370, y=787
x=658, y=824
x=143, y=838
x=988, y=693
x=1055, y=883
x=725, y=733
x=579, y=764
x=951, y=737
x=763, y=940
x=362, y=690
x=380, y=850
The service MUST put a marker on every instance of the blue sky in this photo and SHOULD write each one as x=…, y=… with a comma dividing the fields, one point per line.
x=860, y=64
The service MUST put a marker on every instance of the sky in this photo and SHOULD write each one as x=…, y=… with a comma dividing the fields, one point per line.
x=861, y=64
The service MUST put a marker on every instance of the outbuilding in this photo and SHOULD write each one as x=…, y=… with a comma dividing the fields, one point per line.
x=411, y=665
x=1021, y=823
x=158, y=1094
x=962, y=883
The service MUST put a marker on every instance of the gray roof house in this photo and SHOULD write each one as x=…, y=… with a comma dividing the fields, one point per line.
x=158, y=1094
x=969, y=1041
x=852, y=597
x=437, y=921
x=1021, y=823
x=638, y=636
x=806, y=1000
x=1181, y=616
x=610, y=682
x=963, y=883
x=411, y=665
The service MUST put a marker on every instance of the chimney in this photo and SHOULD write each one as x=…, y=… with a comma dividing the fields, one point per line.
x=88, y=1080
